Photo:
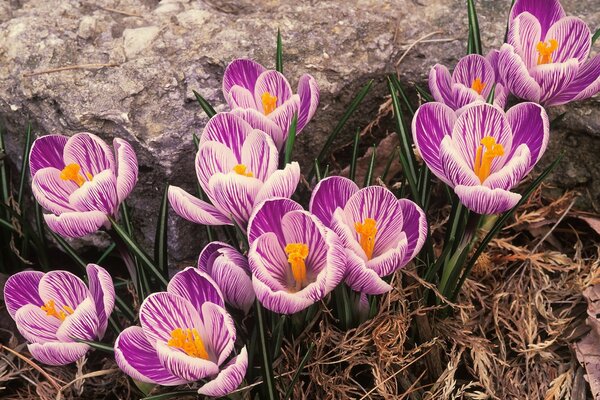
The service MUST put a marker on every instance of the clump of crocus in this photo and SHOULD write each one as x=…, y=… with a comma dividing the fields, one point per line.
x=265, y=99
x=546, y=57
x=237, y=168
x=473, y=79
x=79, y=180
x=186, y=335
x=230, y=271
x=482, y=153
x=295, y=260
x=53, y=310
x=381, y=233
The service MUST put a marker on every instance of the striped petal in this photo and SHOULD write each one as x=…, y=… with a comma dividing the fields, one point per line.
x=547, y=12
x=390, y=261
x=64, y=288
x=554, y=78
x=455, y=166
x=440, y=85
x=234, y=195
x=274, y=83
x=91, y=153
x=229, y=379
x=21, y=289
x=240, y=97
x=362, y=279
x=194, y=209
x=100, y=194
x=57, y=353
x=530, y=126
x=182, y=365
x=263, y=123
x=586, y=84
x=267, y=216
x=260, y=155
x=329, y=194
x=219, y=331
x=515, y=75
x=280, y=301
x=513, y=171
x=281, y=183
x=241, y=72
x=51, y=191
x=213, y=157
x=195, y=286
x=524, y=35
x=35, y=326
x=103, y=294
x=415, y=227
x=268, y=263
x=308, y=90
x=302, y=227
x=127, y=168
x=473, y=67
x=484, y=200
x=283, y=115
x=228, y=129
x=47, y=151
x=76, y=224
x=82, y=324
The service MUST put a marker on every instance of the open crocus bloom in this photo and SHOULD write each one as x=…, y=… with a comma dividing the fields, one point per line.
x=482, y=153
x=52, y=310
x=186, y=335
x=380, y=232
x=264, y=98
x=472, y=80
x=295, y=260
x=79, y=180
x=546, y=57
x=230, y=271
x=237, y=168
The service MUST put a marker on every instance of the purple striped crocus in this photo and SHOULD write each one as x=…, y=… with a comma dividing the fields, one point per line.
x=186, y=335
x=230, y=270
x=237, y=168
x=546, y=57
x=482, y=153
x=265, y=99
x=52, y=310
x=79, y=180
x=295, y=259
x=472, y=80
x=380, y=232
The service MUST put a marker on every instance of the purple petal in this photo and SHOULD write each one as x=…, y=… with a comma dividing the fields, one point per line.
x=268, y=263
x=362, y=279
x=260, y=155
x=281, y=183
x=524, y=35
x=274, y=83
x=308, y=90
x=455, y=167
x=103, y=294
x=21, y=289
x=342, y=224
x=76, y=224
x=219, y=331
x=484, y=200
x=98, y=195
x=240, y=97
x=184, y=366
x=161, y=313
x=57, y=353
x=82, y=324
x=228, y=129
x=283, y=115
x=91, y=153
x=214, y=157
x=329, y=194
x=574, y=39
x=215, y=250
x=280, y=301
x=513, y=72
x=234, y=195
x=336, y=261
x=267, y=216
x=586, y=84
x=473, y=67
x=546, y=11
x=464, y=96
x=530, y=126
x=229, y=378
x=500, y=95
x=390, y=261
x=138, y=359
x=263, y=123
x=431, y=123
x=195, y=210
x=35, y=326
x=241, y=72
x=64, y=288
x=196, y=287
x=51, y=191
x=512, y=172
x=553, y=78
x=303, y=227
x=440, y=85
x=47, y=151
x=415, y=228
x=127, y=168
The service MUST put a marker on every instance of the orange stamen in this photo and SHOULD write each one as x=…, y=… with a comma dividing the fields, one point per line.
x=189, y=341
x=483, y=159
x=50, y=309
x=297, y=253
x=240, y=169
x=478, y=85
x=72, y=172
x=269, y=102
x=545, y=50
x=367, y=231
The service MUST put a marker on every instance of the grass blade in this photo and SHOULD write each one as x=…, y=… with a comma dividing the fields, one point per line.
x=24, y=166
x=96, y=345
x=407, y=103
x=106, y=253
x=161, y=256
x=291, y=139
x=596, y=36
x=474, y=34
x=279, y=55
x=354, y=155
x=317, y=170
x=424, y=94
x=288, y=392
x=267, y=365
x=208, y=109
x=369, y=175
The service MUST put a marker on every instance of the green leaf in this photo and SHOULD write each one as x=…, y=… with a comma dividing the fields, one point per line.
x=340, y=125
x=4, y=184
x=369, y=174
x=142, y=284
x=208, y=109
x=267, y=365
x=160, y=242
x=172, y=395
x=279, y=55
x=106, y=253
x=288, y=392
x=69, y=250
x=596, y=36
x=354, y=155
x=490, y=98
x=474, y=46
x=291, y=139
x=97, y=345
x=400, y=90
x=317, y=170
x=24, y=166
x=124, y=308
x=7, y=225
x=278, y=335
x=424, y=94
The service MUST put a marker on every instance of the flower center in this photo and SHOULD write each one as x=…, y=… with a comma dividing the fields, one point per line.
x=545, y=50
x=240, y=169
x=269, y=102
x=486, y=152
x=478, y=85
x=367, y=231
x=297, y=253
x=72, y=172
x=51, y=311
x=189, y=341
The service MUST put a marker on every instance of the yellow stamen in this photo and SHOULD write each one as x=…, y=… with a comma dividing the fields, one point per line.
x=269, y=102
x=50, y=309
x=72, y=172
x=189, y=341
x=478, y=85
x=240, y=169
x=545, y=50
x=483, y=159
x=297, y=253
x=367, y=231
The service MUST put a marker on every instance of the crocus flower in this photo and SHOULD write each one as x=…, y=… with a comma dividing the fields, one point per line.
x=546, y=57
x=52, y=310
x=230, y=271
x=79, y=180
x=237, y=168
x=472, y=80
x=482, y=153
x=186, y=335
x=295, y=260
x=380, y=232
x=264, y=98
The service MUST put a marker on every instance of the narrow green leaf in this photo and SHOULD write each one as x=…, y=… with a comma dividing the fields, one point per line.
x=291, y=139
x=424, y=94
x=290, y=389
x=7, y=225
x=317, y=170
x=354, y=155
x=106, y=253
x=279, y=55
x=278, y=335
x=326, y=172
x=4, y=182
x=475, y=41
x=267, y=366
x=241, y=236
x=400, y=90
x=24, y=166
x=388, y=164
x=160, y=242
x=124, y=308
x=96, y=345
x=208, y=109
x=172, y=395
x=596, y=36
x=369, y=175
x=490, y=98
x=69, y=250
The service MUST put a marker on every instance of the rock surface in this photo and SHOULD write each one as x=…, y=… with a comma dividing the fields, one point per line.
x=134, y=63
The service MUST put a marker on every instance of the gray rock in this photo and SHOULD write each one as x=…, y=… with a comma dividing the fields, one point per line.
x=135, y=64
